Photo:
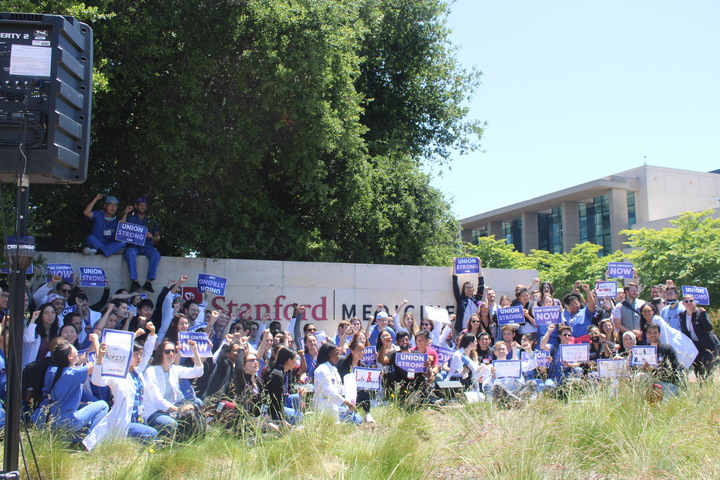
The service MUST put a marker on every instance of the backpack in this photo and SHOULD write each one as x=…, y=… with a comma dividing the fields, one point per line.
x=33, y=381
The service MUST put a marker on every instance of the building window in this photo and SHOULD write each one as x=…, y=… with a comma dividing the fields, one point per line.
x=632, y=219
x=595, y=223
x=478, y=233
x=550, y=231
x=512, y=233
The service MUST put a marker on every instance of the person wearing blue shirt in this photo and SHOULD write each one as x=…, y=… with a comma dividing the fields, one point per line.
x=132, y=251
x=382, y=320
x=577, y=317
x=104, y=226
x=63, y=390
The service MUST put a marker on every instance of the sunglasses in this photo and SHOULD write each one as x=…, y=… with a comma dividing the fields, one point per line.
x=169, y=351
x=472, y=321
x=688, y=301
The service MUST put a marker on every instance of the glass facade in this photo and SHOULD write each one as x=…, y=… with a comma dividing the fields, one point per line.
x=632, y=218
x=512, y=233
x=595, y=223
x=550, y=231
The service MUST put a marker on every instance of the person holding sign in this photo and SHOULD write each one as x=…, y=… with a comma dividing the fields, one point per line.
x=559, y=369
x=577, y=317
x=126, y=415
x=63, y=391
x=152, y=236
x=694, y=323
x=275, y=387
x=464, y=365
x=347, y=364
x=467, y=299
x=511, y=390
x=164, y=399
x=329, y=395
x=104, y=225
x=627, y=313
x=668, y=374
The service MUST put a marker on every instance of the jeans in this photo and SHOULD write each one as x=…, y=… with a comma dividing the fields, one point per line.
x=142, y=432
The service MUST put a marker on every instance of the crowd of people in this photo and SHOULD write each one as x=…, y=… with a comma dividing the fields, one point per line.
x=264, y=375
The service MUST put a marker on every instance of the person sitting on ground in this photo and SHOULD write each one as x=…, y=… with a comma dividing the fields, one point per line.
x=164, y=400
x=669, y=374
x=329, y=395
x=104, y=225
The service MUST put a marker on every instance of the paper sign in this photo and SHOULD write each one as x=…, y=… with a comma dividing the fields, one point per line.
x=116, y=362
x=131, y=233
x=436, y=314
x=411, y=362
x=642, y=354
x=321, y=337
x=621, y=270
x=92, y=277
x=575, y=353
x=370, y=356
x=444, y=353
x=608, y=368
x=606, y=289
x=349, y=388
x=212, y=284
x=507, y=368
x=367, y=378
x=700, y=294
x=467, y=265
x=547, y=315
x=65, y=270
x=203, y=344
x=527, y=361
x=508, y=315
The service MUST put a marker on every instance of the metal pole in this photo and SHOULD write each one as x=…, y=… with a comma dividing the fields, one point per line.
x=15, y=343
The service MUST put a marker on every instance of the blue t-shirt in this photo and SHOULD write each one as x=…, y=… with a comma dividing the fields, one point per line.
x=103, y=228
x=67, y=391
x=579, y=322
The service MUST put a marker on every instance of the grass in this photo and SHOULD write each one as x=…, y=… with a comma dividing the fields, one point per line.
x=597, y=433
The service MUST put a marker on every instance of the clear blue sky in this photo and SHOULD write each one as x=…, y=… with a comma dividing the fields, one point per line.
x=576, y=90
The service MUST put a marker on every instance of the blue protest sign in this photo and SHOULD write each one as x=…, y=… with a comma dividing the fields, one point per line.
x=444, y=353
x=621, y=270
x=542, y=358
x=411, y=362
x=508, y=315
x=370, y=357
x=197, y=327
x=700, y=294
x=547, y=315
x=203, y=344
x=467, y=265
x=70, y=309
x=92, y=277
x=64, y=270
x=212, y=284
x=131, y=233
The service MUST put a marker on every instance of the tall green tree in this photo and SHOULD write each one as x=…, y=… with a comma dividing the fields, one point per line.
x=259, y=128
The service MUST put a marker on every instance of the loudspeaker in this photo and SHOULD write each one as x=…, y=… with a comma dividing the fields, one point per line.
x=45, y=97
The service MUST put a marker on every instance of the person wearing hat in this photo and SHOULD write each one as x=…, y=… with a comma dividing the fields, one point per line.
x=132, y=251
x=382, y=320
x=104, y=225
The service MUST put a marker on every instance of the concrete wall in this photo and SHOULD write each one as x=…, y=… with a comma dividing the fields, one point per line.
x=333, y=291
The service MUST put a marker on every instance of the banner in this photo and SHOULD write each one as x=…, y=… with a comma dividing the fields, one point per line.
x=508, y=315
x=642, y=354
x=614, y=368
x=575, y=353
x=621, y=270
x=203, y=344
x=92, y=277
x=367, y=378
x=131, y=233
x=700, y=294
x=65, y=270
x=507, y=368
x=436, y=314
x=606, y=289
x=444, y=353
x=119, y=343
x=467, y=265
x=370, y=357
x=212, y=284
x=547, y=315
x=411, y=362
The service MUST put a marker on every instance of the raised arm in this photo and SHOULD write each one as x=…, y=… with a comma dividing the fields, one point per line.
x=88, y=212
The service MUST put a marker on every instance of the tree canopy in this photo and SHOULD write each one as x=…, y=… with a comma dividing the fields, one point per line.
x=271, y=129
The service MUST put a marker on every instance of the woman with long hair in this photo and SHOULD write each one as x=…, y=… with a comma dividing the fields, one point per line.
x=179, y=323
x=164, y=398
x=329, y=396
x=42, y=328
x=347, y=364
x=275, y=387
x=63, y=390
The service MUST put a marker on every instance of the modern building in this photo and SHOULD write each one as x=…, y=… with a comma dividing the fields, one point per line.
x=597, y=211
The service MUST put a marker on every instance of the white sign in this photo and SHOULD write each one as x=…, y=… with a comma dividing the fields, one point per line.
x=642, y=354
x=437, y=314
x=606, y=289
x=614, y=368
x=575, y=353
x=367, y=378
x=119, y=344
x=507, y=368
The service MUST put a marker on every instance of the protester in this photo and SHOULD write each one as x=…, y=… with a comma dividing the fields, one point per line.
x=152, y=236
x=694, y=323
x=329, y=396
x=104, y=225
